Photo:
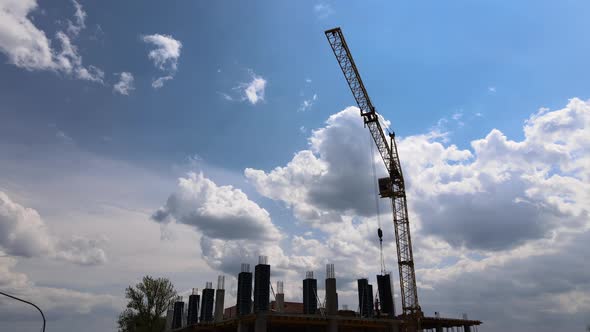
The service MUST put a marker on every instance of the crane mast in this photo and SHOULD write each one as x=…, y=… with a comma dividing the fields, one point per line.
x=392, y=187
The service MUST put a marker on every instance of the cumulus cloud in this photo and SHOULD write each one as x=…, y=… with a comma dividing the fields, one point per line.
x=79, y=23
x=23, y=43
x=467, y=198
x=166, y=52
x=23, y=233
x=504, y=192
x=251, y=91
x=81, y=250
x=496, y=214
x=222, y=212
x=227, y=255
x=165, y=56
x=545, y=290
x=28, y=47
x=159, y=82
x=233, y=228
x=330, y=179
x=125, y=84
x=254, y=90
x=490, y=224
x=69, y=61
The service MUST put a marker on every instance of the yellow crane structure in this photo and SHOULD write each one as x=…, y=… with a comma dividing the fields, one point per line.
x=392, y=187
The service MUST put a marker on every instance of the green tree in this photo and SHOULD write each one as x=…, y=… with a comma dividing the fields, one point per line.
x=148, y=301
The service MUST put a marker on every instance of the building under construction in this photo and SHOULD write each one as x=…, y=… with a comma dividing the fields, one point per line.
x=254, y=311
x=259, y=313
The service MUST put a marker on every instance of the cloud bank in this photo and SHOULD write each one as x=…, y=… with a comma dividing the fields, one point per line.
x=23, y=233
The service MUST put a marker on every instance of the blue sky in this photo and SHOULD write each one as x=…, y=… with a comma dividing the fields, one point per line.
x=471, y=89
x=421, y=63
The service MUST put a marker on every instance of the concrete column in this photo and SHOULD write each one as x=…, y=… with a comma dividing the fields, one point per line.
x=280, y=302
x=467, y=328
x=169, y=315
x=332, y=325
x=260, y=322
x=219, y=302
x=331, y=297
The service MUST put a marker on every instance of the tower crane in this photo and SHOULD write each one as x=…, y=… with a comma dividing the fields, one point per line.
x=392, y=187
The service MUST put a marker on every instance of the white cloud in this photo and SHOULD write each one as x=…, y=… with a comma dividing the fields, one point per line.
x=166, y=53
x=165, y=56
x=24, y=44
x=85, y=200
x=74, y=28
x=492, y=89
x=308, y=103
x=222, y=212
x=233, y=229
x=28, y=47
x=323, y=10
x=505, y=183
x=56, y=302
x=24, y=233
x=159, y=82
x=125, y=84
x=498, y=216
x=325, y=182
x=226, y=96
x=254, y=90
x=81, y=250
x=69, y=61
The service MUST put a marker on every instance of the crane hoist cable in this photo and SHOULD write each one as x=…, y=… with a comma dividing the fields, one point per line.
x=376, y=191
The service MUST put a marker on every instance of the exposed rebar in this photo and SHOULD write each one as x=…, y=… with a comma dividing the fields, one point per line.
x=280, y=287
x=245, y=267
x=330, y=274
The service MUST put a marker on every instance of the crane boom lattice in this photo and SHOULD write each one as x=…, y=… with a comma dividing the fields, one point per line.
x=392, y=187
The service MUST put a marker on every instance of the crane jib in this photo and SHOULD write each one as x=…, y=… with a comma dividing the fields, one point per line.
x=392, y=187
